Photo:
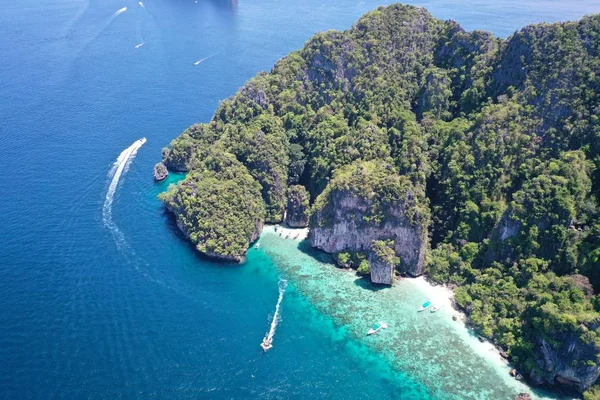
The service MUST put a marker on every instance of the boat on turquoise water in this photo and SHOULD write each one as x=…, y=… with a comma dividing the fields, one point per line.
x=425, y=306
x=377, y=327
x=436, y=307
x=257, y=245
x=267, y=343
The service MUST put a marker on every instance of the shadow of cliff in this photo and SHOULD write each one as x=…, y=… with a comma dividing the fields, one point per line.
x=365, y=283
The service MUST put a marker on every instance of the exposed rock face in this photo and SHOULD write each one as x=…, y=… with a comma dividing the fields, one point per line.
x=568, y=364
x=342, y=227
x=160, y=172
x=297, y=208
x=383, y=261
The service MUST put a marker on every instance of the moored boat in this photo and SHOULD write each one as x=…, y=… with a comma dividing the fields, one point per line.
x=377, y=327
x=436, y=307
x=425, y=306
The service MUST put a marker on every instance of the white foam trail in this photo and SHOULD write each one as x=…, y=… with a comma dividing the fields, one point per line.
x=141, y=4
x=276, y=316
x=116, y=171
x=205, y=58
x=137, y=46
x=120, y=11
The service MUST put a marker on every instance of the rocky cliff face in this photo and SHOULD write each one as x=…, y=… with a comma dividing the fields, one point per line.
x=298, y=207
x=346, y=230
x=570, y=361
x=160, y=172
x=382, y=262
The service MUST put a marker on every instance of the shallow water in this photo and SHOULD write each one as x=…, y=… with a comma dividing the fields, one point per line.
x=89, y=313
x=427, y=348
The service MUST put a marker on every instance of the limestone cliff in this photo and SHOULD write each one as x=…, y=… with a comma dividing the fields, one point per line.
x=298, y=207
x=568, y=359
x=366, y=202
x=382, y=262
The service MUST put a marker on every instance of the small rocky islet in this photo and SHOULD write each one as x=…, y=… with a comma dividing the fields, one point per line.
x=409, y=145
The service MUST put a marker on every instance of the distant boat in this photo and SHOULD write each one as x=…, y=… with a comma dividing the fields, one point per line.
x=257, y=245
x=137, y=46
x=436, y=308
x=425, y=306
x=377, y=327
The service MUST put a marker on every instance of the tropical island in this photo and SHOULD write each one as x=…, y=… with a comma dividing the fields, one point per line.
x=409, y=145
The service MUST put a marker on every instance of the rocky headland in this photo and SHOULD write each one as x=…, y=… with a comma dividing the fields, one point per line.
x=409, y=145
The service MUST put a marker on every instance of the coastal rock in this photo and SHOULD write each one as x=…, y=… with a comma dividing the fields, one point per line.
x=297, y=208
x=348, y=215
x=383, y=261
x=571, y=361
x=160, y=172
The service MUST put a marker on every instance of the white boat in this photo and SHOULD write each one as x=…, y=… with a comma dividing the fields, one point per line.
x=425, y=306
x=377, y=327
x=257, y=245
x=267, y=343
x=436, y=308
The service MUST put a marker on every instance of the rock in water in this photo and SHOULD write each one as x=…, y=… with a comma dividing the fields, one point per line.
x=160, y=172
x=368, y=201
x=383, y=261
x=297, y=209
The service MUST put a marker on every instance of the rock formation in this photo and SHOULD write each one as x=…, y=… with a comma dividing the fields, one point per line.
x=160, y=172
x=349, y=215
x=568, y=360
x=383, y=262
x=298, y=207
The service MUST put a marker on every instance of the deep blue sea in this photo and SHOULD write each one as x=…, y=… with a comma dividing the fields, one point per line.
x=118, y=305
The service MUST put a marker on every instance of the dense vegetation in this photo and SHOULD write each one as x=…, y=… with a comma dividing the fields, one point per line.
x=217, y=206
x=498, y=141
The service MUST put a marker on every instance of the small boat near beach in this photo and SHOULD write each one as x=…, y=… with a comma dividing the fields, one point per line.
x=377, y=327
x=257, y=245
x=425, y=306
x=436, y=307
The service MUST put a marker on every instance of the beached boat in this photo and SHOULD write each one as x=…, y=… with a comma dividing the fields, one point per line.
x=425, y=306
x=436, y=307
x=377, y=327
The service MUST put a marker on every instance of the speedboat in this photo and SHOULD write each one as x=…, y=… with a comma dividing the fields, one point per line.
x=425, y=306
x=377, y=327
x=267, y=343
x=436, y=307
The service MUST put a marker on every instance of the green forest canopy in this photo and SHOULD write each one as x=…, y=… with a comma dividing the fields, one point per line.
x=501, y=138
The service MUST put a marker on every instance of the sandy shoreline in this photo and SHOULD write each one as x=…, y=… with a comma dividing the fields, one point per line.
x=286, y=232
x=438, y=295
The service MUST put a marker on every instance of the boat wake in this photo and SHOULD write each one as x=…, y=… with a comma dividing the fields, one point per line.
x=120, y=11
x=205, y=58
x=116, y=171
x=137, y=46
x=267, y=342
